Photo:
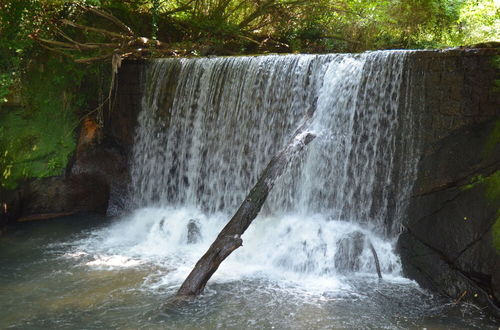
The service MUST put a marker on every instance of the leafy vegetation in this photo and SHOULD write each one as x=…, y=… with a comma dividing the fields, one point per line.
x=42, y=95
x=493, y=140
x=37, y=131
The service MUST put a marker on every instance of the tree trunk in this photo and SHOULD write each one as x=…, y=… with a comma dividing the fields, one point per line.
x=229, y=239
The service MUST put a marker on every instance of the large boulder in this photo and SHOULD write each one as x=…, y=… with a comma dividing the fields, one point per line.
x=349, y=249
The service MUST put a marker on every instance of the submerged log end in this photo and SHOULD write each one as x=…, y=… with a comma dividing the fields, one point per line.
x=229, y=238
x=208, y=264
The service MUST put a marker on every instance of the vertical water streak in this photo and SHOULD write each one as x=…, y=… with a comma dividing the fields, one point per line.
x=209, y=126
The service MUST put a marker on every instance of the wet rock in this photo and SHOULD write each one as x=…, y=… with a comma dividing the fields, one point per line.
x=349, y=250
x=85, y=187
x=58, y=196
x=105, y=162
x=120, y=123
x=194, y=232
x=448, y=244
x=97, y=176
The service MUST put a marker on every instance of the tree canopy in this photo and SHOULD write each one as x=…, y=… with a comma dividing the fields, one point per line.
x=199, y=27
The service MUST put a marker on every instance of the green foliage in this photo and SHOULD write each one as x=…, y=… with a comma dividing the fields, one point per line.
x=496, y=64
x=478, y=179
x=14, y=25
x=35, y=146
x=496, y=232
x=490, y=182
x=479, y=21
x=45, y=94
x=491, y=186
x=493, y=194
x=37, y=138
x=493, y=140
x=6, y=81
x=404, y=23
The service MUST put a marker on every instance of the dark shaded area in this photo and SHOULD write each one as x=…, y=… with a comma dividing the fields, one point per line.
x=120, y=122
x=96, y=179
x=447, y=243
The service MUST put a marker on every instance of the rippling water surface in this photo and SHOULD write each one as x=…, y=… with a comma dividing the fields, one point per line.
x=74, y=272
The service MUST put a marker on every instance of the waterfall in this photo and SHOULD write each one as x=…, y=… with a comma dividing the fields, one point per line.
x=209, y=126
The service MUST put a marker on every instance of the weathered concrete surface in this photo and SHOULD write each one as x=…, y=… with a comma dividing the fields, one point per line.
x=451, y=89
x=448, y=241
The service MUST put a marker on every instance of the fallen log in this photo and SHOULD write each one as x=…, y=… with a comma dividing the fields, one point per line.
x=229, y=239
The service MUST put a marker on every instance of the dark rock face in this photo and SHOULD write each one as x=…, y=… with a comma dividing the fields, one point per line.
x=97, y=176
x=193, y=231
x=120, y=123
x=107, y=162
x=448, y=240
x=57, y=196
x=452, y=89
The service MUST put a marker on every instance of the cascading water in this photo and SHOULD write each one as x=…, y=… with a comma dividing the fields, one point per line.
x=209, y=126
x=207, y=129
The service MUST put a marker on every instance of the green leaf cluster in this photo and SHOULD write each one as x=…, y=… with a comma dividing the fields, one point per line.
x=42, y=95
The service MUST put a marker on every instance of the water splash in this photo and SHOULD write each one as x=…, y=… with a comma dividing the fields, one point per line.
x=307, y=251
x=209, y=126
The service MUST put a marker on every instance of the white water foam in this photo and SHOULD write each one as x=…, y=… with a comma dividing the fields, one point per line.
x=301, y=251
x=207, y=129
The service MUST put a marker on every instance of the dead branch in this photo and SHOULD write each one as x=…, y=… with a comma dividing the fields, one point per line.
x=229, y=239
x=93, y=29
x=109, y=17
x=377, y=263
x=121, y=43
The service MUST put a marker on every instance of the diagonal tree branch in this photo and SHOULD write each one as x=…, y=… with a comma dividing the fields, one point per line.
x=229, y=239
x=107, y=16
